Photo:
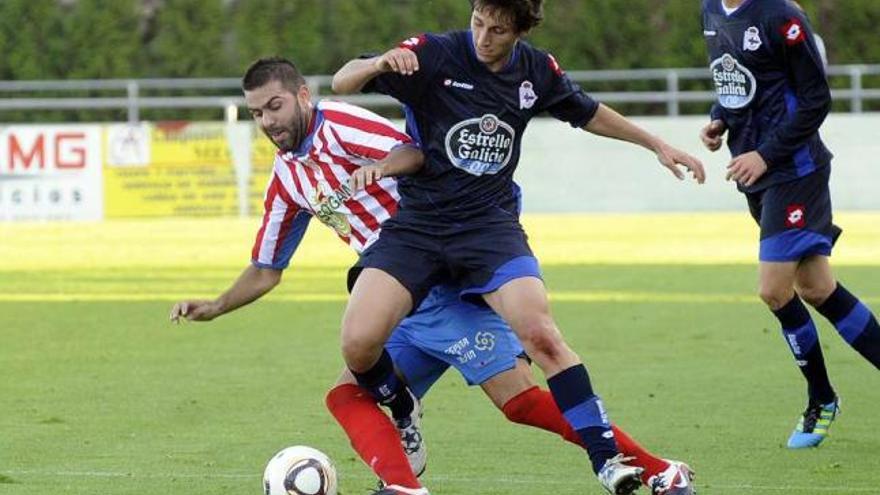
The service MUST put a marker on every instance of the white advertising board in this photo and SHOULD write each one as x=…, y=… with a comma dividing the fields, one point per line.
x=50, y=172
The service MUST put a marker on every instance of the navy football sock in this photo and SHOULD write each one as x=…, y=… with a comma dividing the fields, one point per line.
x=583, y=410
x=803, y=340
x=854, y=322
x=384, y=385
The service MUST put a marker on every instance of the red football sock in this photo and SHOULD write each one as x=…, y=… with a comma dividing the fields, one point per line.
x=372, y=434
x=643, y=459
x=536, y=407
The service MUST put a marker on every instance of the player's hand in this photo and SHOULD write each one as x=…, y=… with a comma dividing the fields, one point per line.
x=673, y=158
x=712, y=133
x=400, y=60
x=365, y=176
x=747, y=168
x=195, y=310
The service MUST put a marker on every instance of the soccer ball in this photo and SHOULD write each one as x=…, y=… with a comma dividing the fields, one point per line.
x=299, y=470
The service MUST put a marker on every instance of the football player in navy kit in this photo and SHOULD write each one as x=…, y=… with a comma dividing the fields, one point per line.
x=772, y=99
x=468, y=97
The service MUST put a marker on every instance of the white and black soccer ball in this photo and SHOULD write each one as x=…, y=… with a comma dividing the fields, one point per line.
x=299, y=470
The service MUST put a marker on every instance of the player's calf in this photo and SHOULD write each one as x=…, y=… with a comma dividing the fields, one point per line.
x=854, y=321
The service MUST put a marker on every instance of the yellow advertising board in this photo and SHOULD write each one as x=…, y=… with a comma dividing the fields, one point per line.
x=168, y=169
x=181, y=169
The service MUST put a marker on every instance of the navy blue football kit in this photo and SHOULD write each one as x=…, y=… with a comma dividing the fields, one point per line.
x=772, y=98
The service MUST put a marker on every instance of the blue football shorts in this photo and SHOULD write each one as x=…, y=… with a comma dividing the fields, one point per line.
x=444, y=332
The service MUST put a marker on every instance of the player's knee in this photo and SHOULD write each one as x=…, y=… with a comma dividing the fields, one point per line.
x=773, y=297
x=542, y=339
x=359, y=350
x=815, y=294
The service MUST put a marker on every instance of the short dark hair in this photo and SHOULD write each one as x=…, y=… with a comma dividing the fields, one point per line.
x=525, y=14
x=272, y=69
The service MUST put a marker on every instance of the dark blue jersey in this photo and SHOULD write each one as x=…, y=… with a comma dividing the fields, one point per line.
x=470, y=121
x=770, y=80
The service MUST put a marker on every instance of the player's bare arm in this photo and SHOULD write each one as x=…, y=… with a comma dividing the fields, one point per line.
x=609, y=123
x=354, y=75
x=711, y=135
x=403, y=160
x=253, y=283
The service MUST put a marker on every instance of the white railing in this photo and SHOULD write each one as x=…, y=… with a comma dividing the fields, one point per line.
x=135, y=95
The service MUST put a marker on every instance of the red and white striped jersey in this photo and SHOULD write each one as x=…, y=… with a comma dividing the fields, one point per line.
x=313, y=181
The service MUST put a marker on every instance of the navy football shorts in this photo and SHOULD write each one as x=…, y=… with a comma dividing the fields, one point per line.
x=479, y=260
x=795, y=218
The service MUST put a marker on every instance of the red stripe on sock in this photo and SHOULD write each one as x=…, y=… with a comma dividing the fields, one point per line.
x=652, y=464
x=536, y=407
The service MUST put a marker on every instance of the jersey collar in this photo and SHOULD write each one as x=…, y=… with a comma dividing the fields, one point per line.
x=735, y=12
x=314, y=123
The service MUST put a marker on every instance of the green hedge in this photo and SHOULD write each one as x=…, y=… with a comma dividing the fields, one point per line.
x=74, y=39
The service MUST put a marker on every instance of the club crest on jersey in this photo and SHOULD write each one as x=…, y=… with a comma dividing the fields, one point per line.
x=527, y=96
x=734, y=83
x=482, y=145
x=751, y=39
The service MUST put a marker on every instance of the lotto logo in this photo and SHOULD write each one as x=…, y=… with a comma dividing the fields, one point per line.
x=413, y=43
x=554, y=65
x=795, y=216
x=793, y=32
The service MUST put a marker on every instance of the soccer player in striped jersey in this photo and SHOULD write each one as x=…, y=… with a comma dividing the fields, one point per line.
x=335, y=163
x=772, y=98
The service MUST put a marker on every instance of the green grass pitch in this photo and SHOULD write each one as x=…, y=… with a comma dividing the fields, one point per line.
x=100, y=394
